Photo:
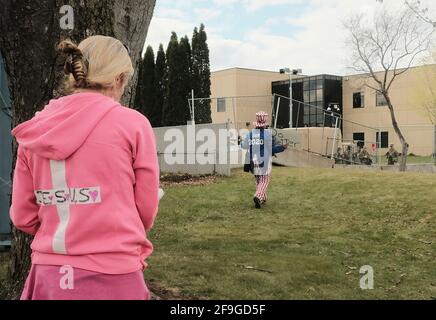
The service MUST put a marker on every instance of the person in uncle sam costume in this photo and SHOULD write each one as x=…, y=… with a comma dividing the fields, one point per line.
x=261, y=147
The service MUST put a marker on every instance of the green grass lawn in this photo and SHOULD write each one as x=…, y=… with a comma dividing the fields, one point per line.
x=418, y=159
x=319, y=227
x=414, y=160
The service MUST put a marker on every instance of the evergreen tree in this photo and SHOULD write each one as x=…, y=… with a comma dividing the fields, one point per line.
x=137, y=102
x=148, y=88
x=201, y=75
x=160, y=78
x=186, y=73
x=176, y=110
x=169, y=116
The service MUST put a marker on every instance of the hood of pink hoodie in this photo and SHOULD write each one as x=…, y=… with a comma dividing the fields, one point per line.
x=64, y=124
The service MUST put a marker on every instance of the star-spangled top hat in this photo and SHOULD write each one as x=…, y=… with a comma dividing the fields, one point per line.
x=261, y=120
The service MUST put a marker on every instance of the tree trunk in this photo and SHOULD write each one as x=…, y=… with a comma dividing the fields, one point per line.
x=404, y=144
x=29, y=31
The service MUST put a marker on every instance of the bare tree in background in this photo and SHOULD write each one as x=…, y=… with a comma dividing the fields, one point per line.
x=391, y=41
x=29, y=31
x=421, y=12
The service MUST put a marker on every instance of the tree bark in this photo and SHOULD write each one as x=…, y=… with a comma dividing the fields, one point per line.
x=404, y=144
x=29, y=31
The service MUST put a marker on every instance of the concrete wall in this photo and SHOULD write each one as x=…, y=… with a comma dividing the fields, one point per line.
x=302, y=159
x=189, y=163
x=314, y=140
x=309, y=147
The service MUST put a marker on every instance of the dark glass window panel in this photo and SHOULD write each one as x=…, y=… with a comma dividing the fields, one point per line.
x=384, y=139
x=319, y=84
x=306, y=85
x=312, y=95
x=319, y=95
x=306, y=96
x=358, y=100
x=312, y=84
x=319, y=118
x=359, y=138
x=312, y=110
x=319, y=111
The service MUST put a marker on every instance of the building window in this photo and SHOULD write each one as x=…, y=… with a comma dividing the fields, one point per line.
x=359, y=139
x=221, y=105
x=319, y=95
x=384, y=139
x=319, y=83
x=319, y=119
x=358, y=100
x=313, y=97
x=380, y=100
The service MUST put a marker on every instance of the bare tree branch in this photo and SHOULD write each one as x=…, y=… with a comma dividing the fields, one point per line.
x=420, y=12
x=391, y=41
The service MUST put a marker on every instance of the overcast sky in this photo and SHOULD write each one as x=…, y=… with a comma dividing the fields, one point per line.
x=266, y=34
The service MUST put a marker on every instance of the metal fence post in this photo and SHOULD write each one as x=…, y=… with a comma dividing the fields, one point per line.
x=276, y=116
x=378, y=143
x=434, y=145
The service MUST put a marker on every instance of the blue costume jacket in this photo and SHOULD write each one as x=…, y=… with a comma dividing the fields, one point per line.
x=261, y=147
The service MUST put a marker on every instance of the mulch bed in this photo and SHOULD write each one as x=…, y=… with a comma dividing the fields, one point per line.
x=160, y=293
x=186, y=180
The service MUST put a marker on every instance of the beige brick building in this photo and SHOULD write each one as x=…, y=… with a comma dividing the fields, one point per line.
x=408, y=94
x=237, y=94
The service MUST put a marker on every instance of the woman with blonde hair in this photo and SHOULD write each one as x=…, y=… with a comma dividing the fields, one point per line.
x=86, y=182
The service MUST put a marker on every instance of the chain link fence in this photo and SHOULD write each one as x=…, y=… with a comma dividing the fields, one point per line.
x=334, y=137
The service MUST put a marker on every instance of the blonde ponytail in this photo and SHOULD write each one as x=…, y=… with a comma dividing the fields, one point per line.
x=95, y=62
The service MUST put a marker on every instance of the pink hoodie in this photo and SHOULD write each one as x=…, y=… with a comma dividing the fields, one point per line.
x=86, y=184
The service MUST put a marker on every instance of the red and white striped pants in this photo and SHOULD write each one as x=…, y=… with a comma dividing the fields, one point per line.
x=262, y=183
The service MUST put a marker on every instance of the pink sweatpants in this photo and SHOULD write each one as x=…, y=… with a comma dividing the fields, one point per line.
x=67, y=283
x=262, y=183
